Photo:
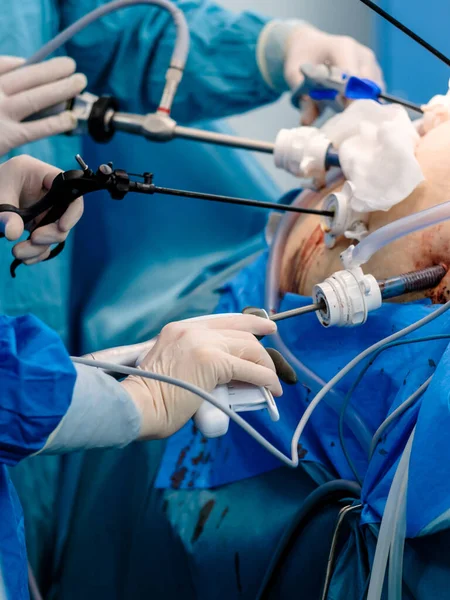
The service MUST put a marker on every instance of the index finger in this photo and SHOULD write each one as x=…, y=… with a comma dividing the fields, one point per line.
x=249, y=323
x=7, y=63
x=11, y=225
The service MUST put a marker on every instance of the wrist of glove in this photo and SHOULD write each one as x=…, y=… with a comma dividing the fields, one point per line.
x=205, y=353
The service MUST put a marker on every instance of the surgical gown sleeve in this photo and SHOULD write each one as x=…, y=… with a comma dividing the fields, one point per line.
x=126, y=54
x=36, y=385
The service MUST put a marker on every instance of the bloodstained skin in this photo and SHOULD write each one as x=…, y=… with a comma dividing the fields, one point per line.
x=433, y=244
x=302, y=260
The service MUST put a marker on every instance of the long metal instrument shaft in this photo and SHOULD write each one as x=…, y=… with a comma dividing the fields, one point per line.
x=295, y=312
x=154, y=189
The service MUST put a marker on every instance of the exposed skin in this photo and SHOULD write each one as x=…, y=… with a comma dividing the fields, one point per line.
x=306, y=260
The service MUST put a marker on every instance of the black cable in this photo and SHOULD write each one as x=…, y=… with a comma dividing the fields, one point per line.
x=393, y=21
x=330, y=492
x=242, y=201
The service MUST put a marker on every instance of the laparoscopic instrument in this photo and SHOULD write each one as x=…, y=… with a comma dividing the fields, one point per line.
x=302, y=151
x=392, y=287
x=100, y=118
x=70, y=185
x=330, y=87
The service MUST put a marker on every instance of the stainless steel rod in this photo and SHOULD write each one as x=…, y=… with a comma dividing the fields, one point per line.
x=222, y=139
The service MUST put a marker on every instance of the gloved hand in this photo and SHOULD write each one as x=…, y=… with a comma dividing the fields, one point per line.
x=24, y=180
x=306, y=44
x=27, y=90
x=206, y=353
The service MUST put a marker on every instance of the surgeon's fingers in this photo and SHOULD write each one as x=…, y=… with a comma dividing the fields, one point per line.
x=252, y=351
x=7, y=63
x=369, y=68
x=309, y=111
x=249, y=323
x=54, y=233
x=32, y=76
x=238, y=369
x=38, y=259
x=27, y=251
x=11, y=225
x=72, y=215
x=238, y=335
x=28, y=178
x=49, y=234
x=32, y=101
x=42, y=128
x=345, y=54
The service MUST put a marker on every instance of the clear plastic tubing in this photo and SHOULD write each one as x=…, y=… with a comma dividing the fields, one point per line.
x=397, y=229
x=390, y=534
x=395, y=575
x=181, y=49
x=272, y=299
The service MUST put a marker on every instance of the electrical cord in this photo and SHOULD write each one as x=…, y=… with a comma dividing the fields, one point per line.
x=351, y=391
x=329, y=492
x=353, y=363
x=397, y=413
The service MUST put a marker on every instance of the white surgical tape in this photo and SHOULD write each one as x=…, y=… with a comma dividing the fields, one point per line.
x=376, y=146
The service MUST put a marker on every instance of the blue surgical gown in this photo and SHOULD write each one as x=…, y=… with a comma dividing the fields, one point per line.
x=36, y=384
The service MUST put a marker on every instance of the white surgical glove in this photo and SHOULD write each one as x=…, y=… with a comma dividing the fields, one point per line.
x=28, y=90
x=24, y=181
x=205, y=353
x=310, y=45
x=284, y=46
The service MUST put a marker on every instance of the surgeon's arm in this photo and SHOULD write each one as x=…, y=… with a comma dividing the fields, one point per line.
x=106, y=413
x=127, y=53
x=237, y=61
x=36, y=384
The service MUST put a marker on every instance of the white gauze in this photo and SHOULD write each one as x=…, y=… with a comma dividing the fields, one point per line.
x=376, y=144
x=436, y=112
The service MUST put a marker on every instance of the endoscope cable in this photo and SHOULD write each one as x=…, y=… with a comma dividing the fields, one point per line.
x=293, y=460
x=179, y=54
